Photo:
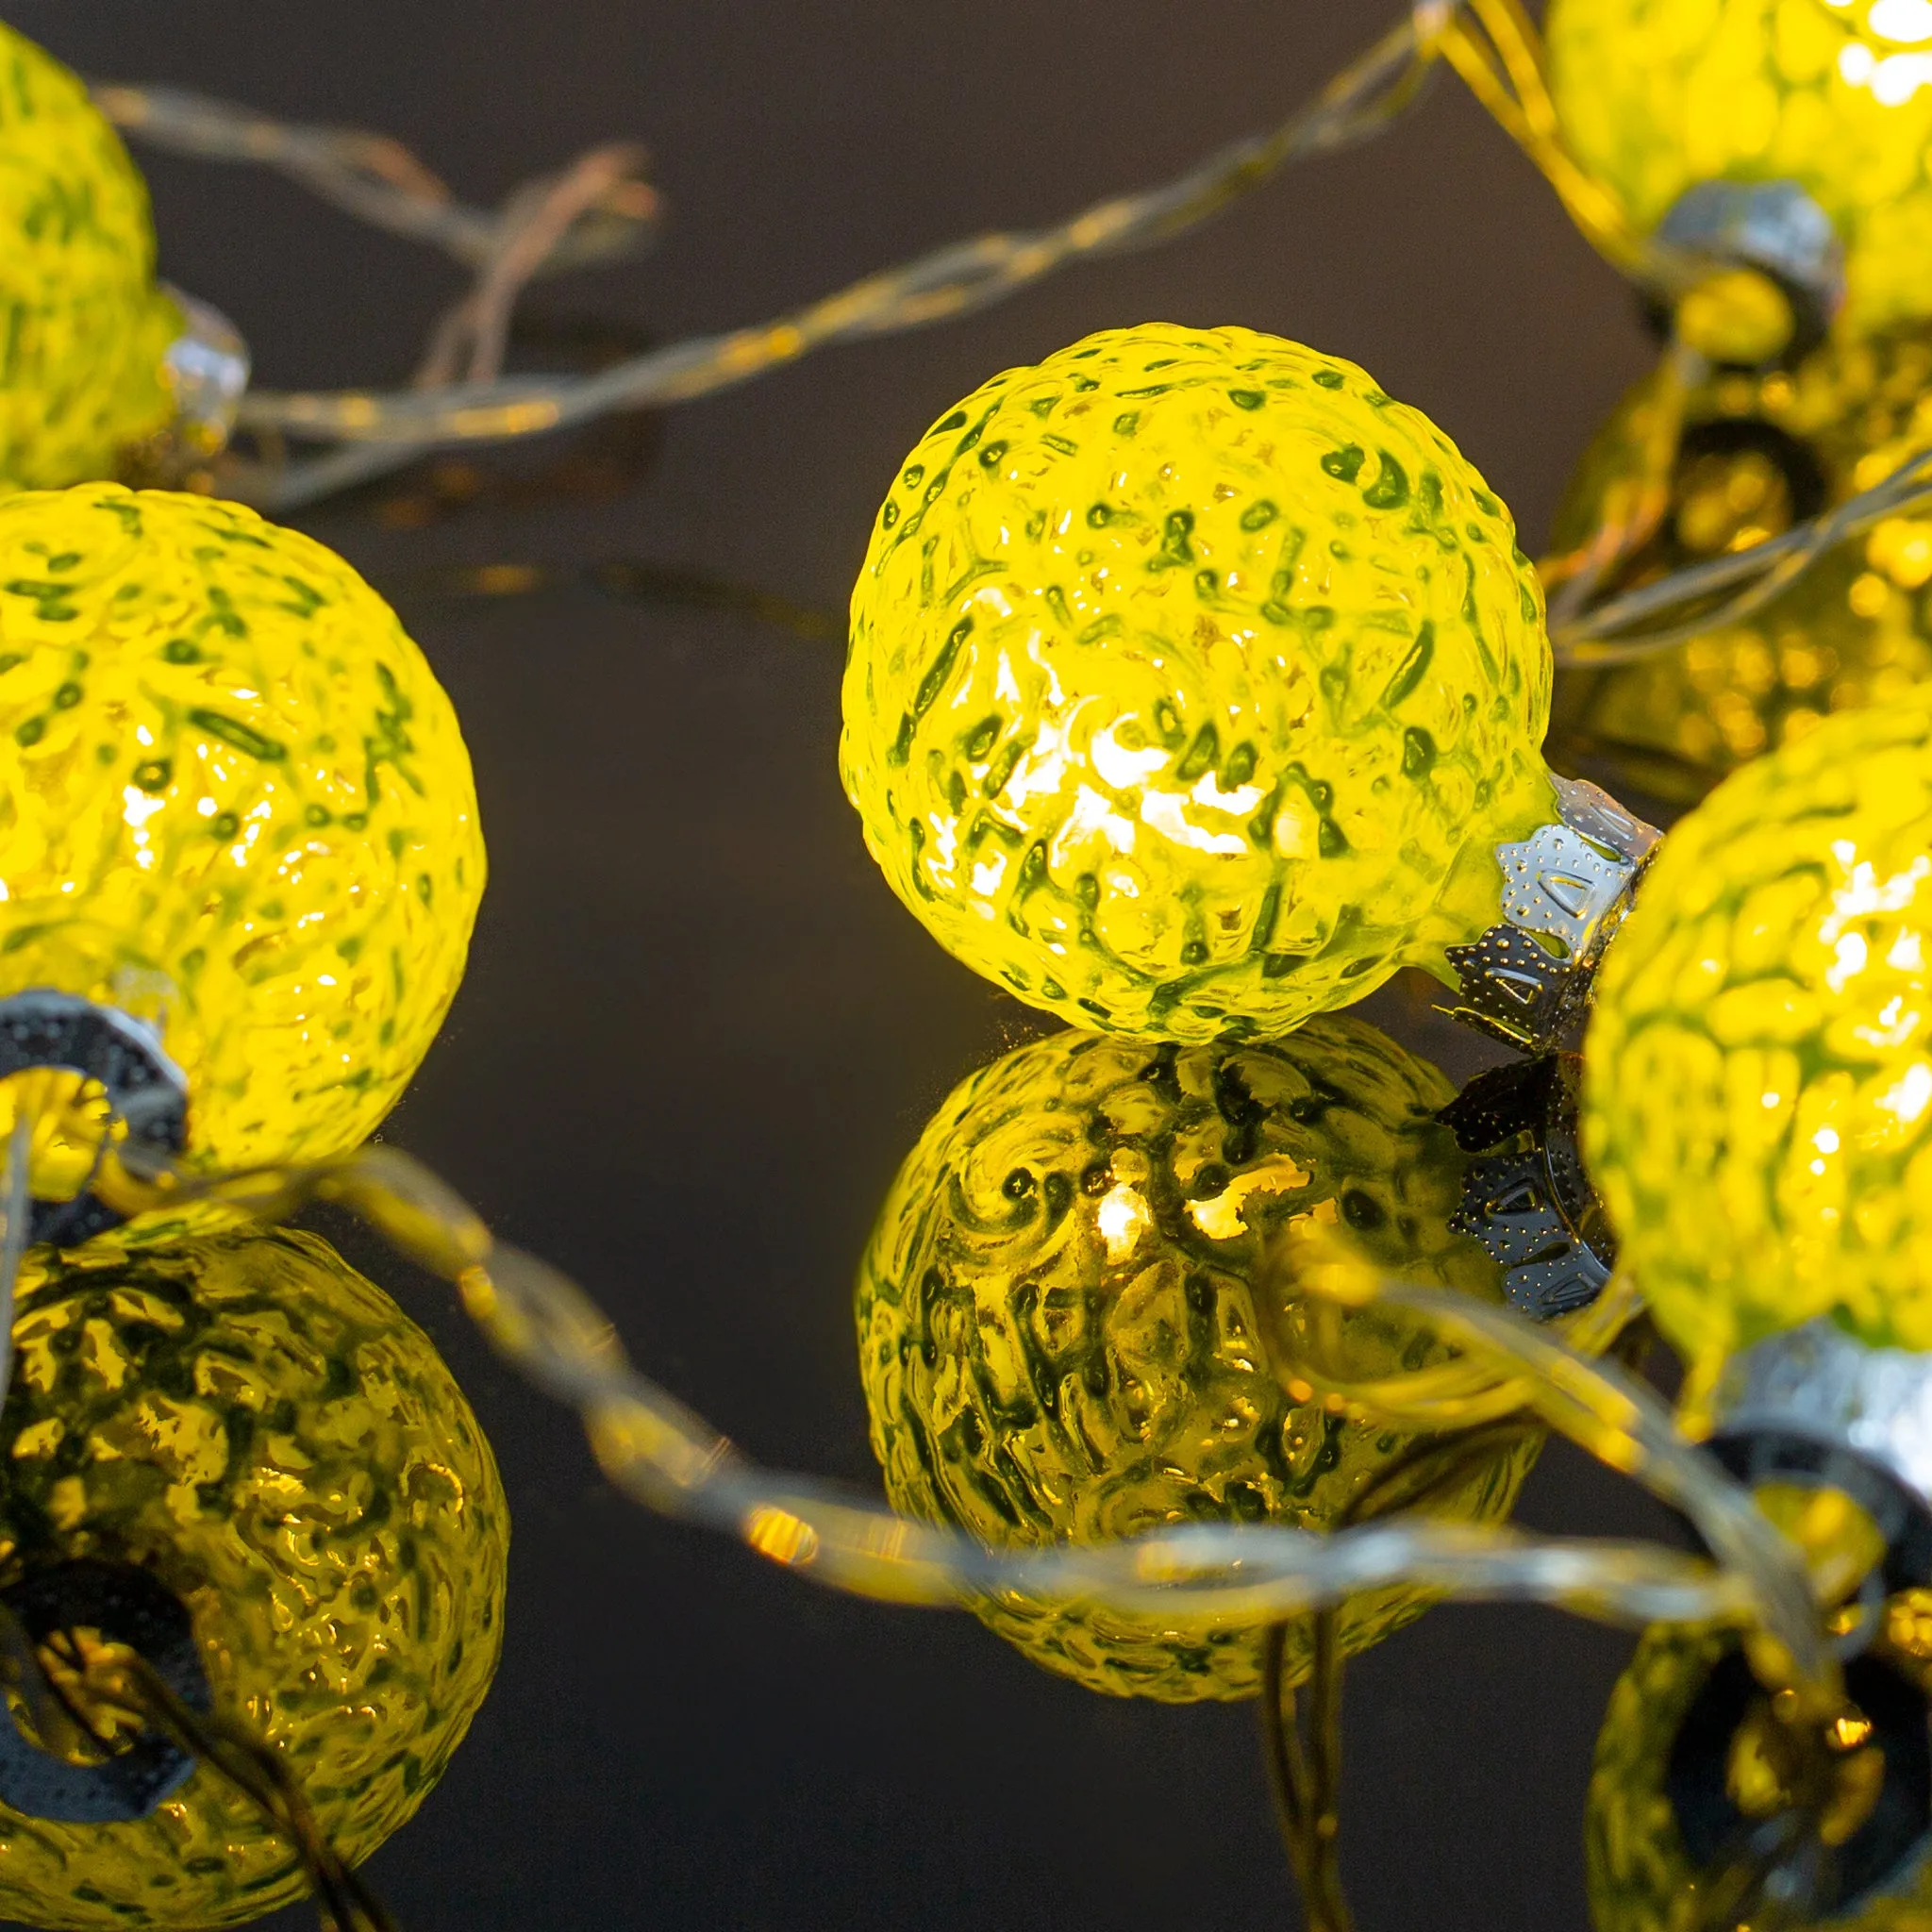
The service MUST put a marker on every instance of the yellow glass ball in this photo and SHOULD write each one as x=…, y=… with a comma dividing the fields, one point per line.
x=1757, y=1109
x=1761, y=453
x=1690, y=1754
x=235, y=802
x=1058, y=1331
x=266, y=1433
x=1654, y=96
x=83, y=328
x=1192, y=682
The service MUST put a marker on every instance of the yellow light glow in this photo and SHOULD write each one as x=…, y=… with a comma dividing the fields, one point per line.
x=82, y=378
x=1122, y=1218
x=1058, y=1313
x=1746, y=1205
x=1205, y=601
x=230, y=781
x=1854, y=630
x=1655, y=99
x=781, y=1536
x=267, y=1433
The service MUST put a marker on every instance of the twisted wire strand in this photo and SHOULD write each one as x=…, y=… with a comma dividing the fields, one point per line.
x=669, y=1459
x=1507, y=1368
x=951, y=281
x=1615, y=632
x=377, y=179
x=120, y=1683
x=343, y=1900
x=371, y=177
x=381, y=181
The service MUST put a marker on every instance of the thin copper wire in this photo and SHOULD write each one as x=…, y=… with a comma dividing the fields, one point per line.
x=372, y=176
x=1634, y=506
x=1492, y=43
x=534, y=225
x=120, y=1684
x=1305, y=1764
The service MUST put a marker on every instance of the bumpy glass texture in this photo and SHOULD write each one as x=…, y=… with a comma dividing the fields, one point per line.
x=268, y=1434
x=1757, y=1108
x=1656, y=95
x=234, y=801
x=1639, y=1876
x=83, y=328
x=1058, y=1329
x=1639, y=1872
x=1762, y=452
x=1193, y=681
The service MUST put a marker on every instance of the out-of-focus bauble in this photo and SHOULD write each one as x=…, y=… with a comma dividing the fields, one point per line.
x=267, y=1433
x=83, y=328
x=1762, y=451
x=1758, y=1107
x=1683, y=1773
x=1657, y=96
x=1193, y=681
x=1057, y=1319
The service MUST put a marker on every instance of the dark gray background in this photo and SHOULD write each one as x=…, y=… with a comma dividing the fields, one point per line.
x=698, y=1033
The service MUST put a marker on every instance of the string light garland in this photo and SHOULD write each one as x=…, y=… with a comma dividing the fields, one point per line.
x=376, y=178
x=661, y=1454
x=1069, y=768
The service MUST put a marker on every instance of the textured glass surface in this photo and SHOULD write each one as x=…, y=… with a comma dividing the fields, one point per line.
x=1193, y=681
x=1656, y=95
x=1640, y=1873
x=235, y=802
x=1640, y=1878
x=1758, y=1104
x=268, y=1434
x=1057, y=1327
x=82, y=327
x=1761, y=453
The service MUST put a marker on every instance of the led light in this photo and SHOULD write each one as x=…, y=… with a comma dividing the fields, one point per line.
x=1656, y=99
x=1756, y=1059
x=262, y=1433
x=1233, y=663
x=84, y=379
x=1761, y=453
x=1059, y=1329
x=238, y=810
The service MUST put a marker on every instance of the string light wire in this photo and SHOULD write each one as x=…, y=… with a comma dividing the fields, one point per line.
x=378, y=179
x=664, y=1455
x=1492, y=45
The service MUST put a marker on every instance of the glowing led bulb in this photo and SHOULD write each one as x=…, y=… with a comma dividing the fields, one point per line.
x=234, y=805
x=1057, y=1312
x=1760, y=451
x=249, y=1425
x=86, y=331
x=1835, y=95
x=1759, y=1107
x=1194, y=686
